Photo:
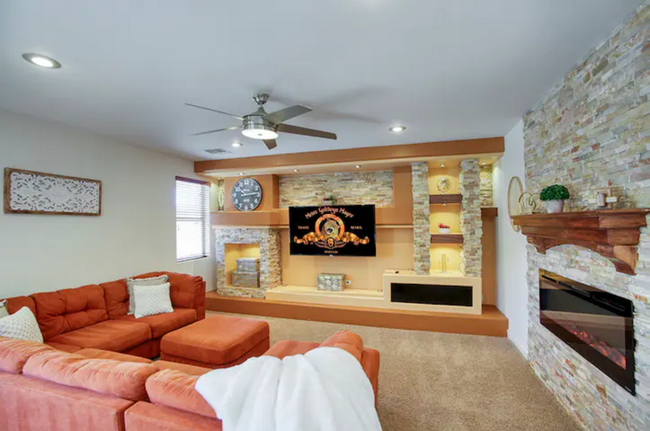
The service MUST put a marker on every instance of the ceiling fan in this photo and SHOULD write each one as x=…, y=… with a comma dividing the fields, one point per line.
x=265, y=126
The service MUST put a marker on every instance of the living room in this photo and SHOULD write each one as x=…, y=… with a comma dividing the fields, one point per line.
x=458, y=222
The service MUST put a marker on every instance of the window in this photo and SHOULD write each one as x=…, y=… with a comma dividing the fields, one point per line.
x=192, y=219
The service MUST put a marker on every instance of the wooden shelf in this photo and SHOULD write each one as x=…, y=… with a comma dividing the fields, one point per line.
x=445, y=199
x=613, y=234
x=451, y=238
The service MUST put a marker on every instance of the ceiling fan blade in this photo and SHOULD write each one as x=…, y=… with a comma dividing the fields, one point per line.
x=215, y=110
x=270, y=143
x=285, y=114
x=287, y=128
x=214, y=131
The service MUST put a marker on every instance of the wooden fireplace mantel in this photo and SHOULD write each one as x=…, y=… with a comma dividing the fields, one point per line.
x=612, y=233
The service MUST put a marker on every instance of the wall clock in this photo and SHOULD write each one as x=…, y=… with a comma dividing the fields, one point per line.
x=246, y=194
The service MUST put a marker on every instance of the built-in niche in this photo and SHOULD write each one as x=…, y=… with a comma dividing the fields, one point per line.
x=447, y=211
x=237, y=251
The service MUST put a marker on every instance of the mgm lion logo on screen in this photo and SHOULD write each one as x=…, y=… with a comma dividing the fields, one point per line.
x=330, y=234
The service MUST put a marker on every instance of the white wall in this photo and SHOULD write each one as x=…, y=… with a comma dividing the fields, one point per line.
x=136, y=232
x=512, y=289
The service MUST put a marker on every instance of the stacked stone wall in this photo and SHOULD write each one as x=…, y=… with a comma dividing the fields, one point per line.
x=471, y=225
x=421, y=211
x=591, y=133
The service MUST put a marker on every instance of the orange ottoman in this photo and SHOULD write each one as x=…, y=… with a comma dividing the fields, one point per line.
x=216, y=342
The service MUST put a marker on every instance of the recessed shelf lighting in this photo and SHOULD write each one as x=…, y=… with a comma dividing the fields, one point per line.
x=357, y=167
x=296, y=170
x=442, y=165
x=241, y=174
x=42, y=61
x=397, y=129
x=483, y=163
x=237, y=144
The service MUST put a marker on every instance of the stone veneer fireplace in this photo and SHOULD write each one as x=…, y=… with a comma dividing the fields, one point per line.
x=590, y=134
x=268, y=240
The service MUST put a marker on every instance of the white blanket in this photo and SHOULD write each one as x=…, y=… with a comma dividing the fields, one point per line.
x=325, y=390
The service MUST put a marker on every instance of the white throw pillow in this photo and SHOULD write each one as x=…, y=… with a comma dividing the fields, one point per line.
x=150, y=300
x=3, y=309
x=152, y=281
x=21, y=325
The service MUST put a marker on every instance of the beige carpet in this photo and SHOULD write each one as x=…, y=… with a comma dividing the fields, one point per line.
x=432, y=381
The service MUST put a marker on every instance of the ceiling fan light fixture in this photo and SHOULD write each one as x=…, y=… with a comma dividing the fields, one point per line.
x=257, y=128
x=42, y=61
x=262, y=134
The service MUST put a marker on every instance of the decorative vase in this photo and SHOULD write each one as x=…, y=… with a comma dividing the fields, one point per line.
x=444, y=230
x=554, y=206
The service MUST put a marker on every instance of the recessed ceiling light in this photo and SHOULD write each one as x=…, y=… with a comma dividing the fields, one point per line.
x=296, y=170
x=42, y=61
x=397, y=129
x=484, y=163
x=357, y=166
x=236, y=144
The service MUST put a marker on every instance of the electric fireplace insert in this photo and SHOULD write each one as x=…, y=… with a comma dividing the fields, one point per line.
x=594, y=323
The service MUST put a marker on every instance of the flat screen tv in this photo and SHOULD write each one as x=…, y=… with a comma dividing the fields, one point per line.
x=337, y=230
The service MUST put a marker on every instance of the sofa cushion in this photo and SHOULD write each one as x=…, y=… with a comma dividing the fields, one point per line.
x=17, y=302
x=64, y=347
x=105, y=354
x=284, y=348
x=176, y=389
x=32, y=404
x=348, y=341
x=184, y=288
x=116, y=297
x=113, y=335
x=15, y=353
x=185, y=368
x=145, y=416
x=217, y=340
x=21, y=325
x=162, y=324
x=69, y=309
x=151, y=300
x=122, y=379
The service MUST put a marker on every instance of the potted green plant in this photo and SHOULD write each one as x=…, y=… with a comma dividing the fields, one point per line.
x=329, y=200
x=554, y=197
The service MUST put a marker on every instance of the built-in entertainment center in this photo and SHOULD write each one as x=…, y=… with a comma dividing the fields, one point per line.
x=403, y=233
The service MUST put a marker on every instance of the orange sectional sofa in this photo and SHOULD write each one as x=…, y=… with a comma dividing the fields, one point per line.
x=42, y=388
x=95, y=316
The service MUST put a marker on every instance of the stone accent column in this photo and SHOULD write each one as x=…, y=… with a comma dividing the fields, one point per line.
x=270, y=259
x=471, y=225
x=421, y=230
x=270, y=254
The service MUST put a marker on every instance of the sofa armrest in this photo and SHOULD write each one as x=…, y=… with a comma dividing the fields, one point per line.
x=370, y=364
x=175, y=389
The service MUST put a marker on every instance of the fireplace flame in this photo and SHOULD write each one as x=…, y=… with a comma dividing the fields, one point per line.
x=603, y=348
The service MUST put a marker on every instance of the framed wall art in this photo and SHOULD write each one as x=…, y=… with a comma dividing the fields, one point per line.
x=29, y=192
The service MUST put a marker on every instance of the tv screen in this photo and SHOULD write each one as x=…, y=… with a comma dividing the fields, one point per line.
x=337, y=230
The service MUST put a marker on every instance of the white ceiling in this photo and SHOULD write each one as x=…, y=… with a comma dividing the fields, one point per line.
x=446, y=69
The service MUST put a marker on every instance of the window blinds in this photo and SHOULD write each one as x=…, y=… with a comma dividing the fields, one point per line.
x=192, y=219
